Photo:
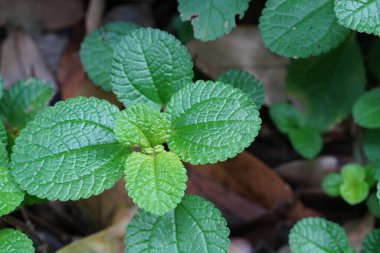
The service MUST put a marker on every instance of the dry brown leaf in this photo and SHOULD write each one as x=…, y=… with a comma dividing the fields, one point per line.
x=242, y=49
x=94, y=15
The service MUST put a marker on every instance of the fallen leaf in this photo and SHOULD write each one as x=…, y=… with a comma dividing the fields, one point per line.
x=94, y=15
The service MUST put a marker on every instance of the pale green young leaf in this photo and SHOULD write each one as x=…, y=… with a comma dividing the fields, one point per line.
x=11, y=195
x=24, y=100
x=286, y=117
x=307, y=141
x=331, y=184
x=246, y=82
x=354, y=192
x=371, y=146
x=371, y=242
x=211, y=121
x=328, y=85
x=96, y=51
x=141, y=125
x=300, y=28
x=69, y=151
x=155, y=183
x=212, y=19
x=149, y=66
x=318, y=235
x=359, y=15
x=195, y=225
x=366, y=111
x=14, y=241
x=353, y=172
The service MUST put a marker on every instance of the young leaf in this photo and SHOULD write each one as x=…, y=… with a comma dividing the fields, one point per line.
x=11, y=195
x=307, y=141
x=300, y=28
x=286, y=117
x=212, y=19
x=354, y=188
x=156, y=183
x=331, y=184
x=141, y=125
x=318, y=236
x=328, y=85
x=96, y=51
x=14, y=241
x=246, y=82
x=371, y=146
x=211, y=122
x=24, y=100
x=366, y=110
x=359, y=15
x=195, y=225
x=69, y=151
x=149, y=66
x=371, y=242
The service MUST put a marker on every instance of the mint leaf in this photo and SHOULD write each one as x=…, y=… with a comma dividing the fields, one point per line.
x=286, y=117
x=359, y=15
x=11, y=195
x=331, y=184
x=156, y=183
x=211, y=121
x=366, y=111
x=307, y=141
x=149, y=66
x=318, y=236
x=69, y=151
x=371, y=242
x=141, y=125
x=212, y=19
x=300, y=28
x=14, y=241
x=354, y=188
x=195, y=225
x=24, y=100
x=96, y=51
x=328, y=85
x=371, y=146
x=247, y=83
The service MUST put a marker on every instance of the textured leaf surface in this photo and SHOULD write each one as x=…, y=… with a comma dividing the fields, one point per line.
x=318, y=236
x=96, y=51
x=307, y=141
x=286, y=117
x=246, y=82
x=141, y=125
x=69, y=151
x=212, y=19
x=149, y=66
x=360, y=15
x=300, y=28
x=366, y=110
x=194, y=226
x=211, y=122
x=156, y=183
x=328, y=85
x=371, y=243
x=331, y=184
x=14, y=241
x=24, y=100
x=11, y=195
x=371, y=146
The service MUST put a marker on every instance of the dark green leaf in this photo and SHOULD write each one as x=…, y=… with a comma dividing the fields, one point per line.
x=366, y=111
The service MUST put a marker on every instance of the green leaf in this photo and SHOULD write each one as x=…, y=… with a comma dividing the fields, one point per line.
x=149, y=66
x=373, y=205
x=300, y=28
x=331, y=184
x=353, y=172
x=69, y=151
x=24, y=100
x=156, y=183
x=195, y=225
x=286, y=117
x=371, y=146
x=212, y=19
x=14, y=241
x=141, y=125
x=11, y=195
x=366, y=111
x=211, y=121
x=306, y=141
x=247, y=83
x=3, y=134
x=354, y=188
x=96, y=51
x=328, y=85
x=317, y=235
x=371, y=242
x=359, y=15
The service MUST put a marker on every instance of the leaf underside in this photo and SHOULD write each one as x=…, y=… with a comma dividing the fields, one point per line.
x=13, y=241
x=366, y=111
